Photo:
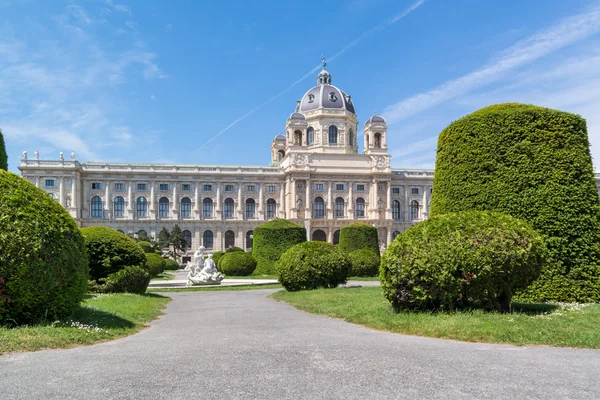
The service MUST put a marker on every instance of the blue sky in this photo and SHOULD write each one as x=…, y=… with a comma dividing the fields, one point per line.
x=150, y=81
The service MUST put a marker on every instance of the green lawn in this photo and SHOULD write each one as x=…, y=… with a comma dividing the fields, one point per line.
x=165, y=276
x=569, y=325
x=100, y=317
x=363, y=278
x=252, y=277
x=216, y=288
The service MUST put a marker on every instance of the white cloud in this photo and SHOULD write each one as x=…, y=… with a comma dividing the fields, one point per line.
x=168, y=27
x=122, y=8
x=565, y=33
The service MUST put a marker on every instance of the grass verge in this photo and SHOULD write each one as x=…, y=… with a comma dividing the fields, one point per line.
x=216, y=288
x=363, y=278
x=99, y=318
x=252, y=277
x=567, y=325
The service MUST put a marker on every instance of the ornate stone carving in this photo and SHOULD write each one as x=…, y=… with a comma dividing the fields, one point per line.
x=300, y=160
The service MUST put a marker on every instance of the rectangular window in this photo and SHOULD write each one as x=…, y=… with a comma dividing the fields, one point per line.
x=141, y=186
x=360, y=188
x=119, y=186
x=163, y=186
x=96, y=186
x=271, y=188
x=207, y=188
x=250, y=188
x=271, y=208
x=414, y=190
x=319, y=186
x=396, y=190
x=185, y=188
x=49, y=183
x=339, y=187
x=229, y=188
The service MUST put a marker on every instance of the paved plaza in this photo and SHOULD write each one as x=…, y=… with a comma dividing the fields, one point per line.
x=244, y=345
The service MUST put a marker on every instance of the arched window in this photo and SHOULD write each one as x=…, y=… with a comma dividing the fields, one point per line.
x=394, y=234
x=52, y=196
x=414, y=210
x=207, y=208
x=229, y=239
x=377, y=140
x=333, y=134
x=319, y=208
x=310, y=136
x=366, y=141
x=298, y=138
x=319, y=236
x=142, y=207
x=336, y=237
x=250, y=208
x=186, y=207
x=351, y=138
x=249, y=237
x=280, y=155
x=228, y=208
x=163, y=207
x=339, y=207
x=396, y=209
x=96, y=207
x=207, y=239
x=119, y=207
x=187, y=235
x=360, y=207
x=271, y=208
x=142, y=235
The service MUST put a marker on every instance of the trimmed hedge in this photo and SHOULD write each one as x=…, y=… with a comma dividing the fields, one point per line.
x=364, y=263
x=156, y=264
x=171, y=265
x=532, y=163
x=358, y=235
x=43, y=263
x=146, y=247
x=233, y=248
x=311, y=265
x=217, y=255
x=238, y=263
x=271, y=240
x=3, y=156
x=110, y=251
x=468, y=259
x=132, y=279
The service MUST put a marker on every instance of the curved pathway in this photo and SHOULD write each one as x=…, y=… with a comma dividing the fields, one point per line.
x=242, y=345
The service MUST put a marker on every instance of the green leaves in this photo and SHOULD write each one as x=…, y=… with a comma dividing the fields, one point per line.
x=358, y=235
x=271, y=240
x=3, y=156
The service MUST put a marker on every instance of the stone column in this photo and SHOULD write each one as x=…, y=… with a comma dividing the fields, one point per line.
x=330, y=202
x=219, y=201
x=107, y=202
x=130, y=203
x=388, y=209
x=175, y=208
x=308, y=207
x=74, y=202
x=350, y=201
x=372, y=200
x=281, y=205
x=406, y=205
x=293, y=203
x=389, y=236
x=240, y=208
x=261, y=212
x=152, y=214
x=38, y=182
x=61, y=191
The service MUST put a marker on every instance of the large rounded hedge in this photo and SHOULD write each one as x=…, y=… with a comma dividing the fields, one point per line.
x=364, y=263
x=311, y=265
x=217, y=255
x=3, y=156
x=271, y=240
x=110, y=251
x=171, y=265
x=43, y=264
x=232, y=249
x=358, y=235
x=238, y=263
x=155, y=264
x=132, y=279
x=468, y=259
x=146, y=247
x=532, y=163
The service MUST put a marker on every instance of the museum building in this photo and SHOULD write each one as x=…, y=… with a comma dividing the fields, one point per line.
x=317, y=178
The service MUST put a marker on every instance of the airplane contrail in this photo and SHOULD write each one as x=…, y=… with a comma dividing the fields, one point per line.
x=377, y=28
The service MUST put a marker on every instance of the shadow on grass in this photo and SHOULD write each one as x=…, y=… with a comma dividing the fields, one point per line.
x=101, y=319
x=534, y=308
x=516, y=308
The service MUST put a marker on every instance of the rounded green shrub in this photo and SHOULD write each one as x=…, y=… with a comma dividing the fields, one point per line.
x=358, y=235
x=146, y=247
x=155, y=264
x=131, y=279
x=233, y=248
x=364, y=263
x=468, y=259
x=238, y=263
x=43, y=263
x=110, y=251
x=532, y=163
x=3, y=156
x=217, y=255
x=271, y=240
x=311, y=265
x=171, y=265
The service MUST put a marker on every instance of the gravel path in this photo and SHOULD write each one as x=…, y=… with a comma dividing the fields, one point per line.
x=222, y=345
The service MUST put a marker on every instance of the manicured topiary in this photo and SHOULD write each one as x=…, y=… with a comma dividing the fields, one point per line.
x=358, y=235
x=171, y=265
x=532, y=163
x=364, y=263
x=146, y=247
x=109, y=251
x=43, y=264
x=155, y=264
x=217, y=255
x=132, y=279
x=473, y=258
x=238, y=263
x=232, y=249
x=3, y=156
x=271, y=240
x=311, y=265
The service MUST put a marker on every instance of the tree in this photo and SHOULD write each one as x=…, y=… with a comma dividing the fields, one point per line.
x=164, y=238
x=174, y=241
x=3, y=157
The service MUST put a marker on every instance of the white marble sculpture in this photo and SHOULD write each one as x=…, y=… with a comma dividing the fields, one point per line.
x=203, y=272
x=61, y=156
x=37, y=155
x=24, y=157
